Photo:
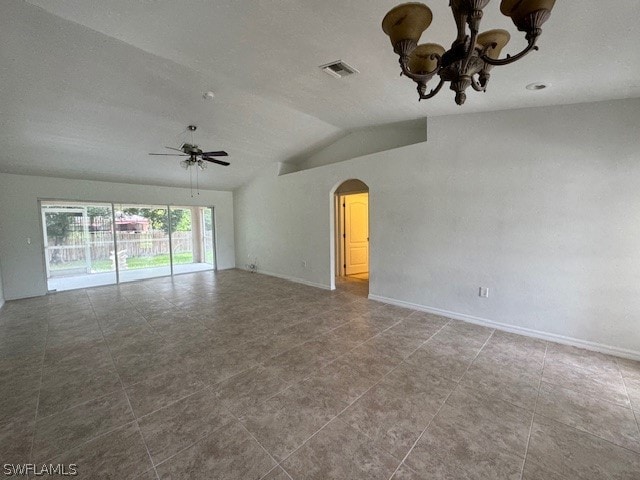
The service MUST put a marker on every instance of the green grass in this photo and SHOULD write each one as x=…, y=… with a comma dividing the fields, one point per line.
x=132, y=262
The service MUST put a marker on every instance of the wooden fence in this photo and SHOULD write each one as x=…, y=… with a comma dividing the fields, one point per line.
x=147, y=244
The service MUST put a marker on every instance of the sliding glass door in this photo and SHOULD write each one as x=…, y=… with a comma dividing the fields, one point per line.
x=142, y=241
x=208, y=240
x=78, y=245
x=189, y=239
x=90, y=244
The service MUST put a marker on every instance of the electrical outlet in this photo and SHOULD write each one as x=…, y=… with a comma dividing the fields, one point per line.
x=304, y=264
x=483, y=292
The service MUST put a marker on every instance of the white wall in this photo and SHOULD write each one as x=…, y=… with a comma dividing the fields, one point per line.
x=540, y=205
x=23, y=264
x=363, y=141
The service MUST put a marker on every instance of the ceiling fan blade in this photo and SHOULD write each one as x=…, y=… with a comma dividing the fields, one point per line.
x=169, y=154
x=219, y=162
x=221, y=153
x=176, y=149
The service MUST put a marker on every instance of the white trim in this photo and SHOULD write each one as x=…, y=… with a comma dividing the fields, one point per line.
x=293, y=279
x=575, y=342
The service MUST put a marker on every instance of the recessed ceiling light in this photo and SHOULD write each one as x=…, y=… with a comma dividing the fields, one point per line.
x=208, y=95
x=537, y=86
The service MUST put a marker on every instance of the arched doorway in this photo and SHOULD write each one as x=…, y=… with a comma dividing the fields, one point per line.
x=352, y=236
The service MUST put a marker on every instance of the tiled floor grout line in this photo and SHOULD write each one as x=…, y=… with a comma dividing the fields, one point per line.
x=402, y=362
x=124, y=390
x=196, y=441
x=136, y=384
x=533, y=414
x=149, y=324
x=362, y=394
x=172, y=402
x=626, y=390
x=35, y=420
x=269, y=472
x=441, y=405
x=84, y=402
x=285, y=472
x=260, y=444
x=89, y=440
x=404, y=459
x=332, y=361
x=572, y=427
x=637, y=417
x=586, y=394
x=244, y=342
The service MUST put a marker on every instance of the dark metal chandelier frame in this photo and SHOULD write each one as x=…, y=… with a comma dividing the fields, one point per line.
x=472, y=55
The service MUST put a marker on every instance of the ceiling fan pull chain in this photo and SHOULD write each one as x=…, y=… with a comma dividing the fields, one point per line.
x=191, y=181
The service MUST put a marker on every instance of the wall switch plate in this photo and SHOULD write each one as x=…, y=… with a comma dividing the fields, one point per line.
x=483, y=292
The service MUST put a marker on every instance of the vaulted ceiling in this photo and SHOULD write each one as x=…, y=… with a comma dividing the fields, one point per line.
x=88, y=88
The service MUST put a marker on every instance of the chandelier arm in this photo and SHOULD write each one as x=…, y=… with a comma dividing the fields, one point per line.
x=510, y=59
x=433, y=91
x=472, y=48
x=417, y=77
x=476, y=85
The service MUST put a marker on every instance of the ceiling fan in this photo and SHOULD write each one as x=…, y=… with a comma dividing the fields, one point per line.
x=195, y=155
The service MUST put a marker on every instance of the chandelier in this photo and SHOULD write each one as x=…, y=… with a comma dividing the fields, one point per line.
x=472, y=55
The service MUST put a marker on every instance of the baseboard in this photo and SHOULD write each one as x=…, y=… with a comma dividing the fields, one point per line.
x=552, y=337
x=291, y=279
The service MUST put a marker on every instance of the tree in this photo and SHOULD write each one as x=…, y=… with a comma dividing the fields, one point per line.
x=58, y=226
x=99, y=218
x=180, y=219
x=182, y=224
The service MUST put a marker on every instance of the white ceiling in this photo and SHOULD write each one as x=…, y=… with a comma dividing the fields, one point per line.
x=88, y=87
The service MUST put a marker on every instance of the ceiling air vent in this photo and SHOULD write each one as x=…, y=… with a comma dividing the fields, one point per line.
x=338, y=69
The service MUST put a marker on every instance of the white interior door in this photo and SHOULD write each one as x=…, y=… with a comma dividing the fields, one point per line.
x=356, y=232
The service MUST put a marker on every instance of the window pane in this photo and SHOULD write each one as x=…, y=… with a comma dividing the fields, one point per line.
x=188, y=239
x=78, y=241
x=142, y=237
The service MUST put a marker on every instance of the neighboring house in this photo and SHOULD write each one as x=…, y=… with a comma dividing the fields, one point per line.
x=132, y=223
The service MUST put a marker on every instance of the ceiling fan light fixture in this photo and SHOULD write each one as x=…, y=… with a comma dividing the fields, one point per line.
x=184, y=164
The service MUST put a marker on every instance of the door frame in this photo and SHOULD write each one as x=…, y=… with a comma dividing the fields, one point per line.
x=336, y=250
x=342, y=239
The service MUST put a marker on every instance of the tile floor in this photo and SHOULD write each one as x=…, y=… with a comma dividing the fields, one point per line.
x=242, y=376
